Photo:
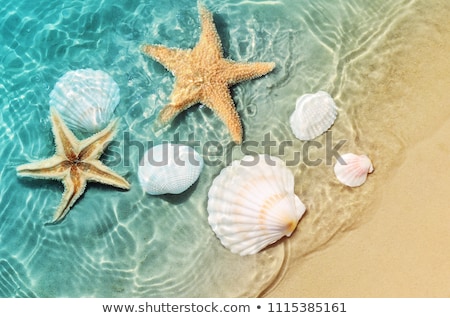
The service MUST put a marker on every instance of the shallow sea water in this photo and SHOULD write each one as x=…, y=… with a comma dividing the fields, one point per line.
x=117, y=243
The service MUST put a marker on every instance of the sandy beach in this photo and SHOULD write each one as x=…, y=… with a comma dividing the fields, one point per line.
x=400, y=249
x=385, y=64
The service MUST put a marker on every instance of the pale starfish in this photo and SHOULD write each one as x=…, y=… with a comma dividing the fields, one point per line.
x=204, y=76
x=75, y=163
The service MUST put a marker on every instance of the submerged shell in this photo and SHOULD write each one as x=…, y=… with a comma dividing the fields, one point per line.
x=251, y=204
x=169, y=168
x=352, y=169
x=313, y=115
x=85, y=99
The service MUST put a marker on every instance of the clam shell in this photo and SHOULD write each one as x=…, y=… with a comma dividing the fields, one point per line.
x=251, y=204
x=313, y=115
x=353, y=170
x=169, y=168
x=85, y=99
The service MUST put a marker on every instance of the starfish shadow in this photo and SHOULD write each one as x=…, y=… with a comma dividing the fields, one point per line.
x=40, y=184
x=222, y=28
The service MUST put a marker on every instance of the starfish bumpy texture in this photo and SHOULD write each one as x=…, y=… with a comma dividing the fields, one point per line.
x=75, y=163
x=204, y=76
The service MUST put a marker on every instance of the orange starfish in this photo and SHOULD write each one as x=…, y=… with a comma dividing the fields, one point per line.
x=204, y=76
x=75, y=163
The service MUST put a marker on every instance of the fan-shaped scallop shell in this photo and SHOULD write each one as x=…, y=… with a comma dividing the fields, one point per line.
x=169, y=168
x=251, y=204
x=85, y=99
x=313, y=115
x=352, y=170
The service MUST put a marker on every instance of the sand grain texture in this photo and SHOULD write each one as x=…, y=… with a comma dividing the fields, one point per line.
x=401, y=246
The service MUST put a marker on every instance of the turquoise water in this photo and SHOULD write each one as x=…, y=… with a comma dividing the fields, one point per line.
x=130, y=244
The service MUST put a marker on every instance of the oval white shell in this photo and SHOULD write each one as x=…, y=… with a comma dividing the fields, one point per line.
x=169, y=168
x=251, y=204
x=85, y=99
x=354, y=169
x=313, y=115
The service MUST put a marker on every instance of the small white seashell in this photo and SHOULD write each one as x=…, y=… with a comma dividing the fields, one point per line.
x=313, y=115
x=85, y=99
x=354, y=169
x=169, y=168
x=251, y=204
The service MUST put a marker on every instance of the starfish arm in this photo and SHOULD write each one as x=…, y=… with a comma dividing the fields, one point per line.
x=170, y=111
x=209, y=46
x=168, y=57
x=51, y=168
x=74, y=186
x=203, y=75
x=239, y=72
x=93, y=147
x=65, y=140
x=182, y=97
x=220, y=101
x=98, y=172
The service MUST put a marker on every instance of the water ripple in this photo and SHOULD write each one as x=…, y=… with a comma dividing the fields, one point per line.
x=129, y=244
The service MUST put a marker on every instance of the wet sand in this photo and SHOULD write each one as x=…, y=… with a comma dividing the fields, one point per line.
x=401, y=247
x=402, y=251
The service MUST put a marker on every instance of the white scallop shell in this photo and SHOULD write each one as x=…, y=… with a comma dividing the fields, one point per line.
x=251, y=204
x=353, y=169
x=169, y=168
x=313, y=115
x=85, y=99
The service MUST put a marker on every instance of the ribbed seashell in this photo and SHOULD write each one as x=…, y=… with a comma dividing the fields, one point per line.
x=313, y=115
x=85, y=99
x=353, y=169
x=251, y=204
x=169, y=168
